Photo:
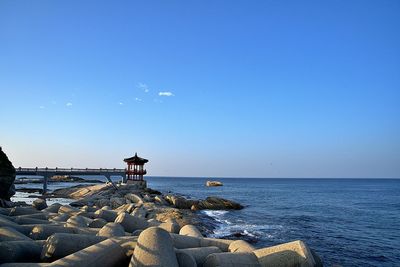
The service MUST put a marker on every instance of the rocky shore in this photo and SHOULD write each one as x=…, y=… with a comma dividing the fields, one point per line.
x=129, y=226
x=124, y=225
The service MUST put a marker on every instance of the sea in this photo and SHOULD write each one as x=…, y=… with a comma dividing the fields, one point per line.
x=348, y=222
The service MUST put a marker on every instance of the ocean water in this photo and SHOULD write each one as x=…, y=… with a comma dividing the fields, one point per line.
x=349, y=222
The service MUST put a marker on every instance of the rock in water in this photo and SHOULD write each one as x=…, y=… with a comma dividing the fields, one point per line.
x=214, y=183
x=39, y=204
x=216, y=203
x=7, y=177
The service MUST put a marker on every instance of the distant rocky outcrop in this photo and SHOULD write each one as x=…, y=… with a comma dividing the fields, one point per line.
x=214, y=183
x=69, y=178
x=7, y=177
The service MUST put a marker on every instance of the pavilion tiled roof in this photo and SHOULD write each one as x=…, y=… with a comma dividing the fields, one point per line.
x=136, y=160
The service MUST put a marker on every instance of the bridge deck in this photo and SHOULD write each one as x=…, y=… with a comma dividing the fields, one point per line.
x=68, y=171
x=49, y=172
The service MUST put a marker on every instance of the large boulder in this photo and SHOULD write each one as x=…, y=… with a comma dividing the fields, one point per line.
x=7, y=177
x=213, y=183
x=39, y=204
x=216, y=203
x=180, y=202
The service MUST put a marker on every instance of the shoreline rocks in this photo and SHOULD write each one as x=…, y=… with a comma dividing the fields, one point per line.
x=125, y=226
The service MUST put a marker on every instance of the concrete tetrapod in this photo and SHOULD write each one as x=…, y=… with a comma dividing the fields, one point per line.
x=61, y=218
x=104, y=254
x=53, y=208
x=10, y=234
x=128, y=243
x=190, y=230
x=97, y=223
x=172, y=227
x=44, y=231
x=154, y=248
x=290, y=254
x=24, y=264
x=185, y=259
x=39, y=216
x=67, y=209
x=76, y=221
x=131, y=223
x=111, y=229
x=6, y=222
x=60, y=245
x=223, y=244
x=240, y=246
x=26, y=220
x=108, y=215
x=228, y=259
x=200, y=254
x=23, y=211
x=183, y=241
x=20, y=251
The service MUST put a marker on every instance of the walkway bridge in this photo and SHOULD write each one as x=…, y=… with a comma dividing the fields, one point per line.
x=50, y=172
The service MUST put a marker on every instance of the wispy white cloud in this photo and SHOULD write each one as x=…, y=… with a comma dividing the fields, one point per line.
x=68, y=104
x=143, y=87
x=138, y=99
x=165, y=94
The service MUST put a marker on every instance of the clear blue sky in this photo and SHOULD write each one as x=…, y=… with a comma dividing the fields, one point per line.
x=203, y=88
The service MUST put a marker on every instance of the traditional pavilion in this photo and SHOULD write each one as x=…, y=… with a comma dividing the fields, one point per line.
x=135, y=170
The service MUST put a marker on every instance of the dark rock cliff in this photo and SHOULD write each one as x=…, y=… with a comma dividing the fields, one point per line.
x=7, y=177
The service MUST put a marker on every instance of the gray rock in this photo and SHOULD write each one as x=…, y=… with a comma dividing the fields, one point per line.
x=7, y=177
x=216, y=203
x=116, y=202
x=213, y=183
x=39, y=204
x=180, y=202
